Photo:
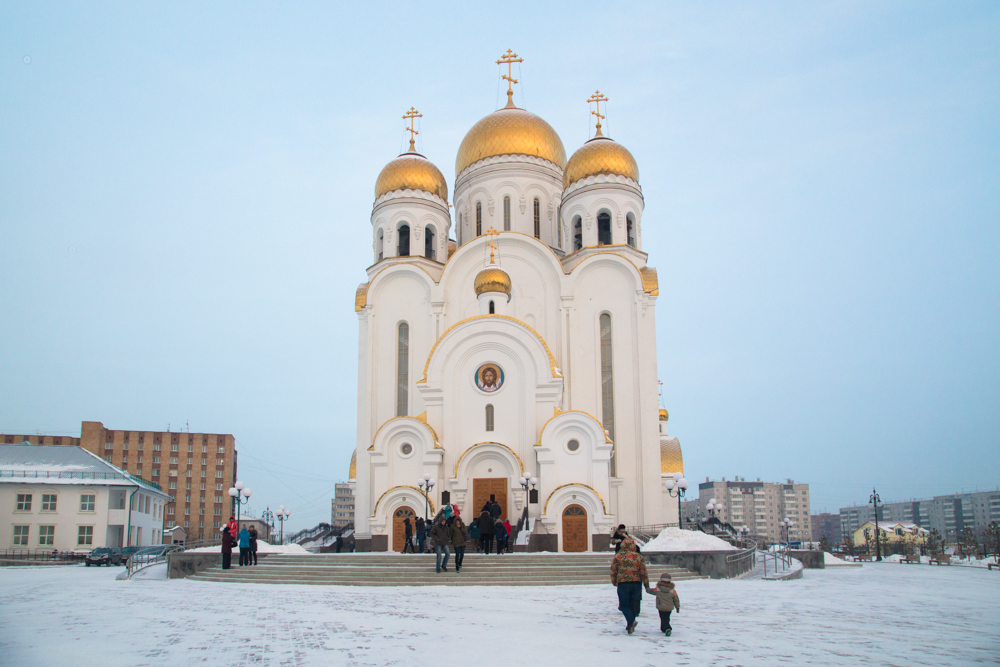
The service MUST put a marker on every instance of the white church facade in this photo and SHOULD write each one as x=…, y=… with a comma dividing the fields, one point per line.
x=525, y=346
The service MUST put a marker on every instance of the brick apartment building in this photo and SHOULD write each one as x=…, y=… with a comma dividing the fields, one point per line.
x=760, y=506
x=826, y=525
x=195, y=469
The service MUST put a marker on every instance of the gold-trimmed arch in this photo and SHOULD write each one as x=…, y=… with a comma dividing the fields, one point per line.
x=489, y=442
x=556, y=412
x=545, y=509
x=422, y=418
x=552, y=360
x=647, y=274
x=402, y=486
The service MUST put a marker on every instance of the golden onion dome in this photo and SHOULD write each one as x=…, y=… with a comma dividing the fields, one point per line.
x=510, y=131
x=411, y=171
x=600, y=155
x=664, y=415
x=671, y=458
x=492, y=279
x=353, y=472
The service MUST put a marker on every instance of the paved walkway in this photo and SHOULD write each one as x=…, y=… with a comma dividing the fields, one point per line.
x=881, y=614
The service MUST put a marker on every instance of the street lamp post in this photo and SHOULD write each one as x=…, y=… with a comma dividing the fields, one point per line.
x=241, y=496
x=678, y=483
x=875, y=500
x=786, y=525
x=527, y=483
x=268, y=518
x=283, y=514
x=426, y=484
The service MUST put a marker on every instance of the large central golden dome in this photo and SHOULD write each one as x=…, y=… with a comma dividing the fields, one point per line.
x=510, y=131
x=600, y=155
x=411, y=171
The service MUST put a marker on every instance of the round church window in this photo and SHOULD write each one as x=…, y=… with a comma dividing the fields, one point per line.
x=406, y=449
x=572, y=445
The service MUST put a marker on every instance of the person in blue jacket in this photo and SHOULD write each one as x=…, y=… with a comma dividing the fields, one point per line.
x=244, y=546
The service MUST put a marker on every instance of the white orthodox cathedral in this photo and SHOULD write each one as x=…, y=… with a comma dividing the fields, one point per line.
x=526, y=346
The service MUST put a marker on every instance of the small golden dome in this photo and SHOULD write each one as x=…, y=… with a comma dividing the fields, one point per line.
x=510, y=131
x=353, y=472
x=671, y=458
x=492, y=279
x=600, y=155
x=411, y=171
x=664, y=415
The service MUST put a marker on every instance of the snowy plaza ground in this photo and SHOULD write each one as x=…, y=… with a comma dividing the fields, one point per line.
x=879, y=614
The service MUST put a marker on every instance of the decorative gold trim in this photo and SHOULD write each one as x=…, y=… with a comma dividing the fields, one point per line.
x=361, y=297
x=582, y=412
x=671, y=456
x=488, y=442
x=545, y=509
x=416, y=419
x=552, y=359
x=650, y=285
x=353, y=472
x=529, y=236
x=402, y=486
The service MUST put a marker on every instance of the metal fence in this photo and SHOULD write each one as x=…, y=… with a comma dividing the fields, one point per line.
x=40, y=555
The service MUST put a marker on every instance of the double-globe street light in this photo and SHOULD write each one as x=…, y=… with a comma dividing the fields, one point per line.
x=678, y=483
x=283, y=514
x=528, y=483
x=268, y=518
x=786, y=525
x=241, y=496
x=426, y=484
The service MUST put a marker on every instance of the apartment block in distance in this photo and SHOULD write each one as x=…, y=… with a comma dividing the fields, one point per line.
x=760, y=506
x=342, y=511
x=949, y=514
x=195, y=469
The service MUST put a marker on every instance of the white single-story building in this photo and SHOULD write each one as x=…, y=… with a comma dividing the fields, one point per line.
x=57, y=497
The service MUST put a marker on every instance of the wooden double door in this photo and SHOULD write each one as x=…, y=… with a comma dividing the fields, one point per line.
x=399, y=530
x=574, y=528
x=482, y=489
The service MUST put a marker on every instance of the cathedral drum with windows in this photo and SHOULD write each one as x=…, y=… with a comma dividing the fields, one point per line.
x=527, y=345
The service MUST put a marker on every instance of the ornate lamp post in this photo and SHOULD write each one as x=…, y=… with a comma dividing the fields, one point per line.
x=679, y=484
x=268, y=518
x=875, y=500
x=283, y=514
x=426, y=484
x=528, y=483
x=785, y=525
x=241, y=496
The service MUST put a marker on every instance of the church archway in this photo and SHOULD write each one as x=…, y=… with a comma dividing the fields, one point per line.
x=398, y=529
x=574, y=529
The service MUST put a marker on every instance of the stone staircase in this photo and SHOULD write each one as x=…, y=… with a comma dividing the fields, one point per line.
x=380, y=569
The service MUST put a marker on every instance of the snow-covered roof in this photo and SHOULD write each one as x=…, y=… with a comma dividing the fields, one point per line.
x=63, y=464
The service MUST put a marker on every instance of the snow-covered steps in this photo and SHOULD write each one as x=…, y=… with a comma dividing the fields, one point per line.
x=375, y=569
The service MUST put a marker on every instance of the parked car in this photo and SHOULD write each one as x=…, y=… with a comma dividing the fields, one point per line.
x=104, y=556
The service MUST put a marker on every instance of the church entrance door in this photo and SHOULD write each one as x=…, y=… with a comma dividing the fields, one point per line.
x=399, y=530
x=482, y=489
x=574, y=528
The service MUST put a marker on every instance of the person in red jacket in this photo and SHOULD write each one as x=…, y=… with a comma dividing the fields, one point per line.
x=233, y=527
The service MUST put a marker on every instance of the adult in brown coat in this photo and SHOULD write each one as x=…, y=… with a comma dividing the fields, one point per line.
x=458, y=541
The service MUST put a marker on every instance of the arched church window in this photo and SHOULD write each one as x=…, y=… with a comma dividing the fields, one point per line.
x=603, y=228
x=479, y=218
x=404, y=241
x=379, y=245
x=429, y=242
x=630, y=229
x=489, y=417
x=538, y=219
x=492, y=309
x=402, y=369
x=506, y=214
x=607, y=384
x=577, y=233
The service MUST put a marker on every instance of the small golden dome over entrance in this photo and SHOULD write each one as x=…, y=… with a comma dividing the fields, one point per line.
x=411, y=171
x=492, y=279
x=664, y=416
x=510, y=131
x=600, y=155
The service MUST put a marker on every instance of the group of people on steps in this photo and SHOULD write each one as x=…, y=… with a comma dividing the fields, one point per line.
x=245, y=539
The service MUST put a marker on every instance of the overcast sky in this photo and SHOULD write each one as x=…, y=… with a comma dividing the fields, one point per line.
x=186, y=190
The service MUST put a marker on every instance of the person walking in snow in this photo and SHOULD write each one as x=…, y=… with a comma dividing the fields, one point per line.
x=440, y=535
x=253, y=546
x=227, y=548
x=421, y=533
x=244, y=547
x=666, y=601
x=458, y=541
x=628, y=573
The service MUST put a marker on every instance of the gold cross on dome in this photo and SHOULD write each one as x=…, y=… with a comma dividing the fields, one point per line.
x=597, y=98
x=411, y=114
x=509, y=59
x=491, y=243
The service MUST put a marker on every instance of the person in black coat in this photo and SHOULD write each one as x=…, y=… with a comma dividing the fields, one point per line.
x=500, y=533
x=227, y=548
x=408, y=531
x=495, y=510
x=485, y=531
x=421, y=533
x=252, y=556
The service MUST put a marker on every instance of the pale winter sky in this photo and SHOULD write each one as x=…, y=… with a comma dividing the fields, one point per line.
x=185, y=194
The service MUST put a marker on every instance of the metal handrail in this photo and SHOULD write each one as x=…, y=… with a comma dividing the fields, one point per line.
x=140, y=561
x=742, y=561
x=780, y=556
